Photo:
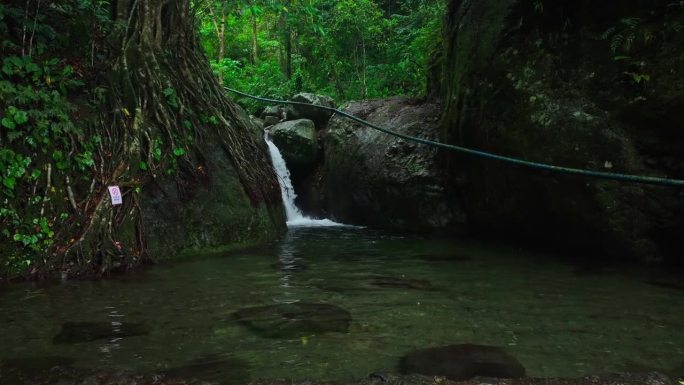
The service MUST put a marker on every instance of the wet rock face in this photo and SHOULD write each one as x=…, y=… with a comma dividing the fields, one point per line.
x=212, y=212
x=562, y=98
x=296, y=140
x=462, y=362
x=319, y=116
x=374, y=179
x=77, y=332
x=270, y=121
x=294, y=320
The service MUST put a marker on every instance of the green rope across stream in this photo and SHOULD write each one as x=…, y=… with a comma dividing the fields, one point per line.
x=541, y=166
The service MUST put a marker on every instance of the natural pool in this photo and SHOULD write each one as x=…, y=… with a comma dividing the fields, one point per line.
x=403, y=293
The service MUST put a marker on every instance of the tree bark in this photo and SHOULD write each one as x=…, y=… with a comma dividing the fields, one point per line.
x=255, y=46
x=287, y=40
x=164, y=105
x=220, y=31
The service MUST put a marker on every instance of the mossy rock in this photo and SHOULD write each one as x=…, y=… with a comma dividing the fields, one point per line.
x=374, y=179
x=214, y=214
x=296, y=140
x=318, y=115
x=561, y=98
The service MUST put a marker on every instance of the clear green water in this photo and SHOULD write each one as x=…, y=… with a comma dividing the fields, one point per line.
x=555, y=321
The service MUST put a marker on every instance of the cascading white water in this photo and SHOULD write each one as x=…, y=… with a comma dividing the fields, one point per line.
x=294, y=214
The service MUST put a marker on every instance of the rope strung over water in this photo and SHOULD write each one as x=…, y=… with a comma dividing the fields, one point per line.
x=540, y=166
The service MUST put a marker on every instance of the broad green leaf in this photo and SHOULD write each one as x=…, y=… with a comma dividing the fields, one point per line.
x=9, y=123
x=58, y=155
x=21, y=117
x=9, y=182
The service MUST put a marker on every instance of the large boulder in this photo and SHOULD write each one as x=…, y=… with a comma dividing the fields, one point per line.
x=372, y=178
x=296, y=140
x=570, y=96
x=462, y=362
x=318, y=115
x=270, y=121
x=273, y=110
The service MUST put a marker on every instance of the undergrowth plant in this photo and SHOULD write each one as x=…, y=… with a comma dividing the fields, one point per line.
x=46, y=151
x=632, y=37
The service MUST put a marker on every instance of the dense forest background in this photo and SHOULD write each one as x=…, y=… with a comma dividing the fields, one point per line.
x=95, y=93
x=349, y=49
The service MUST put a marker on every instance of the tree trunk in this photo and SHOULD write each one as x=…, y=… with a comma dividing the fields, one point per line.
x=165, y=105
x=287, y=40
x=222, y=42
x=220, y=31
x=255, y=46
x=288, y=52
x=363, y=69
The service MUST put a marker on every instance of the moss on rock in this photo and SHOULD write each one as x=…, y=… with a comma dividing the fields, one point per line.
x=540, y=84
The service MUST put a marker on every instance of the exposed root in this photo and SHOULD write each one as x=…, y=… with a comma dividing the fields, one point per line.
x=164, y=104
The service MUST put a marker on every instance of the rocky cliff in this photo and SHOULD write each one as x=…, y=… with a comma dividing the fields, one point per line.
x=574, y=83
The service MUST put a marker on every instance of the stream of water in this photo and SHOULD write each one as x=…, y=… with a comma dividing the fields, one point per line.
x=402, y=293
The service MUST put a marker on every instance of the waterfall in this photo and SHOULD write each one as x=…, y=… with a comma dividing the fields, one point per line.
x=294, y=214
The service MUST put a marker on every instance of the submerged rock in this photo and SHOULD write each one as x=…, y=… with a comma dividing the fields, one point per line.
x=294, y=319
x=296, y=140
x=462, y=362
x=373, y=283
x=401, y=283
x=345, y=286
x=318, y=115
x=217, y=368
x=443, y=257
x=76, y=332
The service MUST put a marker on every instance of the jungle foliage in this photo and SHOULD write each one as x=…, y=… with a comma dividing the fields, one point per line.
x=101, y=93
x=47, y=111
x=348, y=49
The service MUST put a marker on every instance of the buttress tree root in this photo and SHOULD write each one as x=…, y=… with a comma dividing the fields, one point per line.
x=164, y=102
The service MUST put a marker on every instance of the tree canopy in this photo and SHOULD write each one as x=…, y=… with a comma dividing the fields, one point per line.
x=349, y=49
